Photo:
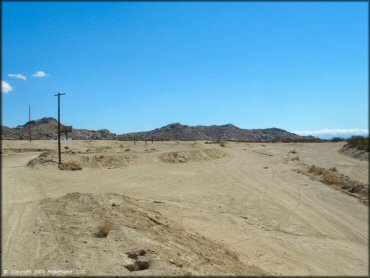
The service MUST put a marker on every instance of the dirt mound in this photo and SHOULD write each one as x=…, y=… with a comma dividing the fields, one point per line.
x=138, y=240
x=45, y=158
x=106, y=161
x=354, y=152
x=72, y=162
x=192, y=155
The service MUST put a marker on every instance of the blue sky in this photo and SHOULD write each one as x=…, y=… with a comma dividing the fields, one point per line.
x=130, y=66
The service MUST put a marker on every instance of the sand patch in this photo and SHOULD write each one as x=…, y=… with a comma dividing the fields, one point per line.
x=192, y=155
x=138, y=239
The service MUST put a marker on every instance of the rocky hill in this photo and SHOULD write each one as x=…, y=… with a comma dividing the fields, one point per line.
x=227, y=132
x=46, y=128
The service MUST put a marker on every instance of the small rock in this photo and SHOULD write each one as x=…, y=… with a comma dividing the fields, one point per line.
x=142, y=264
x=131, y=267
x=138, y=265
x=132, y=255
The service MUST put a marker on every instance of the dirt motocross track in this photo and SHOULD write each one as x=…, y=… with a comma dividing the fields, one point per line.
x=194, y=208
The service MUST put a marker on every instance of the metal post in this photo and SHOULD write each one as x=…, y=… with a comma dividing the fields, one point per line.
x=59, y=146
x=29, y=122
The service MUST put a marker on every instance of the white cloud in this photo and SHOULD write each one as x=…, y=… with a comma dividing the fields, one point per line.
x=40, y=74
x=18, y=76
x=5, y=87
x=341, y=131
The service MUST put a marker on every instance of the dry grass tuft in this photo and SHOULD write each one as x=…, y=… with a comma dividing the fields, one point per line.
x=70, y=166
x=331, y=179
x=104, y=230
x=315, y=170
x=232, y=254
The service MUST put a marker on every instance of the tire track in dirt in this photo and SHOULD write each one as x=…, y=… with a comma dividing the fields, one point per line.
x=236, y=176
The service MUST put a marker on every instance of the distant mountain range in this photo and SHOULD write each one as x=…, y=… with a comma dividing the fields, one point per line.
x=46, y=128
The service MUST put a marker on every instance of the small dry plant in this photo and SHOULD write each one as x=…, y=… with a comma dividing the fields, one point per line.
x=70, y=166
x=104, y=230
x=315, y=170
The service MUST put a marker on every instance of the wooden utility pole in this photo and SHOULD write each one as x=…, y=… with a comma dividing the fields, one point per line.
x=59, y=147
x=29, y=122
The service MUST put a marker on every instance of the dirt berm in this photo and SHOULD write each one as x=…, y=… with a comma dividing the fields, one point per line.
x=68, y=228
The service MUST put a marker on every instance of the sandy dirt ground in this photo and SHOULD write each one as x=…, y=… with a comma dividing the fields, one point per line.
x=194, y=208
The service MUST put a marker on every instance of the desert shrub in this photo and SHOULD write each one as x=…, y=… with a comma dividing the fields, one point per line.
x=315, y=170
x=331, y=179
x=359, y=142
